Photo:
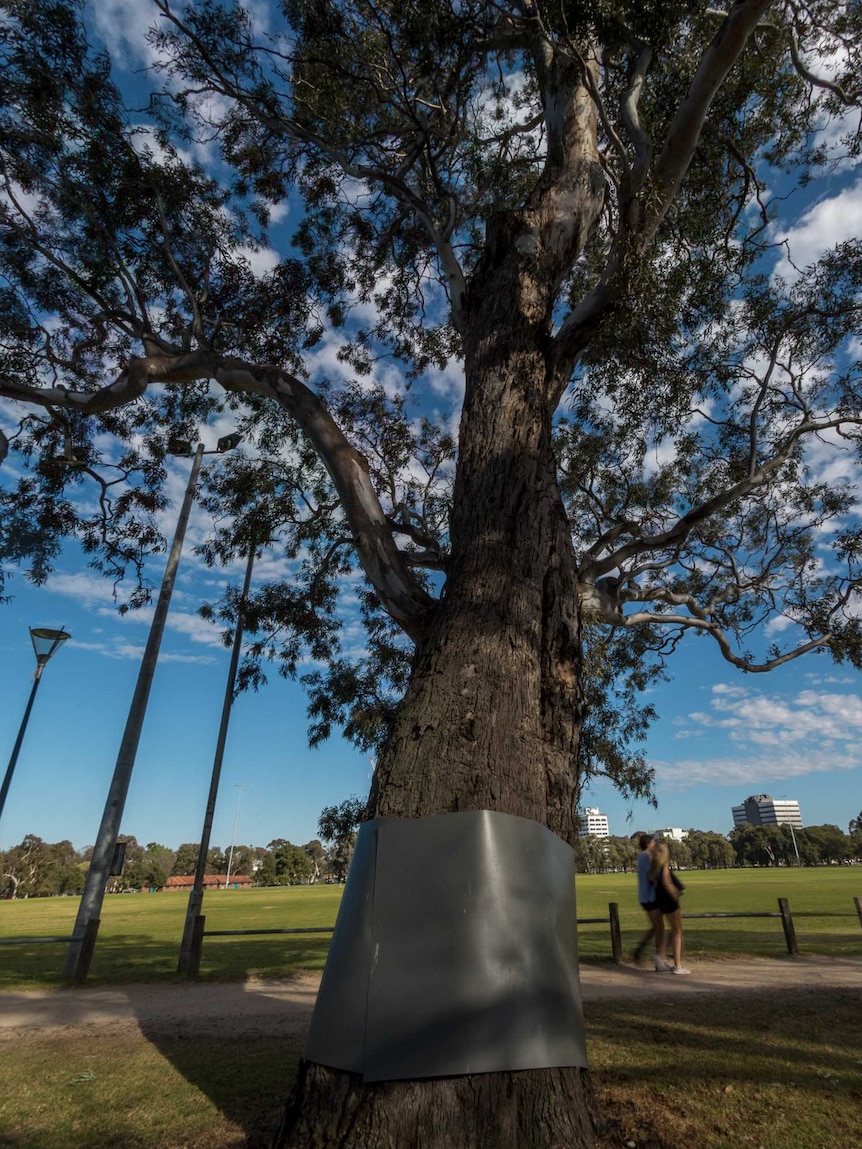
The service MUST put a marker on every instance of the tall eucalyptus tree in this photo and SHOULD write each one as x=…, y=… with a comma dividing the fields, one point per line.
x=576, y=202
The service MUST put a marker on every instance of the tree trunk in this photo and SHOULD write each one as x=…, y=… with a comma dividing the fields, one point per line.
x=491, y=720
x=533, y=1109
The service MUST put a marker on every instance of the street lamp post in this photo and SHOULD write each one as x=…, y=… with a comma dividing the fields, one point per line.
x=233, y=835
x=80, y=950
x=189, y=959
x=45, y=643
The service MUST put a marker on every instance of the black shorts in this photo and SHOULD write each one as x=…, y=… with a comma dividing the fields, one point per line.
x=650, y=906
x=666, y=903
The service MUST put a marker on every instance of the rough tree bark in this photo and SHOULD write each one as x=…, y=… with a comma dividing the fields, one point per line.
x=490, y=720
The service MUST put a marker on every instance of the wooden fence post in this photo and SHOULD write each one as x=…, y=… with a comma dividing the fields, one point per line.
x=787, y=922
x=858, y=903
x=616, y=940
x=197, y=945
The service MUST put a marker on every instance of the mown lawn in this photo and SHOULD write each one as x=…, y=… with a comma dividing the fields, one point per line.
x=821, y=901
x=749, y=1070
x=719, y=1072
x=729, y=1071
x=140, y=933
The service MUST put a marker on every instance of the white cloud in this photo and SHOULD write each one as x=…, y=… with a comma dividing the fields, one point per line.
x=278, y=212
x=830, y=221
x=134, y=653
x=124, y=28
x=194, y=627
x=751, y=771
x=812, y=726
x=89, y=590
x=261, y=260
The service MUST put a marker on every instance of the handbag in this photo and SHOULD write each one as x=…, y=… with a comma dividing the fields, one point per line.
x=680, y=886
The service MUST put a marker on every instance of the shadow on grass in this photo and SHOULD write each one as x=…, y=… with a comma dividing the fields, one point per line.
x=729, y=1063
x=124, y=958
x=242, y=1049
x=239, y=1049
x=241, y=1052
x=785, y=1029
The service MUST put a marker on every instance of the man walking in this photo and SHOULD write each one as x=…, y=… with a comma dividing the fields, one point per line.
x=647, y=898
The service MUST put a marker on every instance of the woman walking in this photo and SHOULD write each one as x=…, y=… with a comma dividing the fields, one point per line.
x=667, y=900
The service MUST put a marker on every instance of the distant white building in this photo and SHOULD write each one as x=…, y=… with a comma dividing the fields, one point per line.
x=593, y=823
x=764, y=810
x=673, y=832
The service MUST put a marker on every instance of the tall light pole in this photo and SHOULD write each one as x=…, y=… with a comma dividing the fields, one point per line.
x=80, y=950
x=795, y=847
x=189, y=959
x=240, y=789
x=45, y=644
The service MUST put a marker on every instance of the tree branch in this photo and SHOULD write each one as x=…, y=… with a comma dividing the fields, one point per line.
x=662, y=184
x=386, y=567
x=281, y=125
x=685, y=128
x=676, y=534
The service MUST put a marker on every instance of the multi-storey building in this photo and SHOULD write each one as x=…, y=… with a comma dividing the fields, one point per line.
x=764, y=810
x=594, y=823
x=674, y=833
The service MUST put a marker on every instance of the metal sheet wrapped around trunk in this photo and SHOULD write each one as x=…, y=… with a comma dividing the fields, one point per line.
x=455, y=952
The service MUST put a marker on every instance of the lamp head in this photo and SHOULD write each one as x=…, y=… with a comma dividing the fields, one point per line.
x=46, y=642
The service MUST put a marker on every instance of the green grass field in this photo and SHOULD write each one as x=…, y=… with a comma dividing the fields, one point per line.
x=140, y=933
x=717, y=1073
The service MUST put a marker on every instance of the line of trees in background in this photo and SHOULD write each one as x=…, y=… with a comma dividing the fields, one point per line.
x=35, y=868
x=744, y=846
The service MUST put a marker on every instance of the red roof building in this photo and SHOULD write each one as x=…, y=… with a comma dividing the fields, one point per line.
x=211, y=881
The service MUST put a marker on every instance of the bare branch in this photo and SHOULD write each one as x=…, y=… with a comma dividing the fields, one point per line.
x=631, y=119
x=684, y=132
x=191, y=296
x=683, y=527
x=798, y=63
x=594, y=602
x=386, y=567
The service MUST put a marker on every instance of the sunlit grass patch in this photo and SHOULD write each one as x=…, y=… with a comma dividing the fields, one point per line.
x=768, y=1069
x=79, y=1091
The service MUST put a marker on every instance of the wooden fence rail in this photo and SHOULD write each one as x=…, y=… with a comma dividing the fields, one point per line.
x=612, y=920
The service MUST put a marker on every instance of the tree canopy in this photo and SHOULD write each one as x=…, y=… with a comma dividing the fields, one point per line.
x=693, y=383
x=695, y=374
x=636, y=156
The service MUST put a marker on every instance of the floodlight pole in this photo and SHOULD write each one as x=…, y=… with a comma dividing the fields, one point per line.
x=189, y=960
x=795, y=847
x=60, y=636
x=240, y=789
x=79, y=955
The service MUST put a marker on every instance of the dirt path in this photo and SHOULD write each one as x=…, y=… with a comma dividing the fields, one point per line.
x=259, y=1007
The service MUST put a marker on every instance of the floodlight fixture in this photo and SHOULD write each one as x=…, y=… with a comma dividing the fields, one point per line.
x=228, y=442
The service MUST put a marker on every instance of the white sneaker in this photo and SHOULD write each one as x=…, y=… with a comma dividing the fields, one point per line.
x=680, y=969
x=661, y=965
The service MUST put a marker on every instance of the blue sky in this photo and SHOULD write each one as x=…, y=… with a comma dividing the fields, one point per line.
x=68, y=756
x=721, y=735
